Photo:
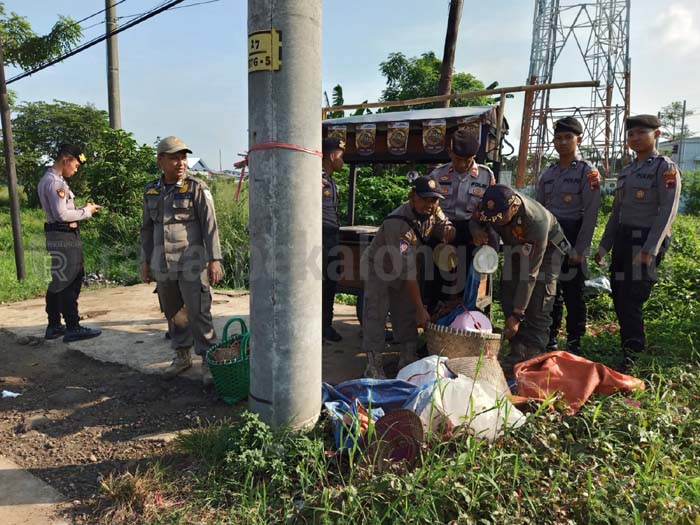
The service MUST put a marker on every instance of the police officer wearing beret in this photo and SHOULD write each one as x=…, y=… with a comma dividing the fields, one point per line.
x=180, y=249
x=534, y=247
x=390, y=269
x=463, y=183
x=63, y=243
x=332, y=162
x=570, y=189
x=639, y=229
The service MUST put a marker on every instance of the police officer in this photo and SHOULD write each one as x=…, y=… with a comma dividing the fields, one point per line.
x=63, y=243
x=462, y=182
x=639, y=229
x=332, y=162
x=570, y=189
x=534, y=246
x=390, y=269
x=180, y=249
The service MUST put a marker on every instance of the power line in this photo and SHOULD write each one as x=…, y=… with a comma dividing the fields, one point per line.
x=153, y=12
x=179, y=7
x=98, y=12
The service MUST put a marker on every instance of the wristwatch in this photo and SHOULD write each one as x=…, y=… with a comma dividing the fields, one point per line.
x=520, y=317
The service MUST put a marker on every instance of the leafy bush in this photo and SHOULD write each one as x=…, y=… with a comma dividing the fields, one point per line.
x=690, y=192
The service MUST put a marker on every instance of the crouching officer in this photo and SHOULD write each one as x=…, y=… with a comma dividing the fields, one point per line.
x=63, y=243
x=534, y=246
x=570, y=189
x=389, y=266
x=462, y=184
x=639, y=229
x=180, y=249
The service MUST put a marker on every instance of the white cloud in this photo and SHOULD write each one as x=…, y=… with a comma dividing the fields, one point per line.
x=678, y=30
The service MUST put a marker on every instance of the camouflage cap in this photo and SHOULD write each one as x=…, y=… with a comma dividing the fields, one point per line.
x=172, y=144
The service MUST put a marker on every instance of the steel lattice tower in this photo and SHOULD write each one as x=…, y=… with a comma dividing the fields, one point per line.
x=599, y=29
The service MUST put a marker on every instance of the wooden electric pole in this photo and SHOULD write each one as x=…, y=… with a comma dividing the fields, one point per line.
x=114, y=103
x=11, y=171
x=448, y=55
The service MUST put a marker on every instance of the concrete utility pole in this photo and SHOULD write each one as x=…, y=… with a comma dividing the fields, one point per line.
x=448, y=55
x=115, y=113
x=11, y=171
x=680, y=143
x=284, y=113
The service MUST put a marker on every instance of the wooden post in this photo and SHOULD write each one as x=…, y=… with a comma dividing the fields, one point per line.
x=352, y=182
x=448, y=55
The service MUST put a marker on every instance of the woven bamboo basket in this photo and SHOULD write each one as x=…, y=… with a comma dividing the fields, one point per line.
x=485, y=369
x=451, y=342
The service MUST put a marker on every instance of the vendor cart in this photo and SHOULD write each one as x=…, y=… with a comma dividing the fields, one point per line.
x=416, y=137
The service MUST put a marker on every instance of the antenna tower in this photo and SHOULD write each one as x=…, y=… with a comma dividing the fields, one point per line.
x=599, y=30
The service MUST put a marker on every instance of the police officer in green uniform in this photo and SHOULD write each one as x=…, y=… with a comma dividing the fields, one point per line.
x=462, y=184
x=534, y=247
x=639, y=229
x=390, y=268
x=332, y=162
x=570, y=189
x=64, y=245
x=180, y=249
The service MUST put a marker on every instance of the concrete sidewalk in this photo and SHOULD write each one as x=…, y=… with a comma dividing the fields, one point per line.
x=134, y=328
x=25, y=499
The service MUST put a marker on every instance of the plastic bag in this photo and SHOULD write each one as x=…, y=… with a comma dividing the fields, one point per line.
x=596, y=286
x=464, y=401
x=425, y=371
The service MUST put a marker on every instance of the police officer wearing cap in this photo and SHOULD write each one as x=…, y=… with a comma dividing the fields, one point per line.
x=390, y=269
x=332, y=162
x=570, y=189
x=463, y=183
x=64, y=245
x=534, y=246
x=639, y=229
x=180, y=249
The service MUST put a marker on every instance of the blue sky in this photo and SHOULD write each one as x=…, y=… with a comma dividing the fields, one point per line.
x=184, y=72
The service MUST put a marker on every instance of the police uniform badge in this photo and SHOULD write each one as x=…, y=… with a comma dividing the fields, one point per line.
x=404, y=246
x=490, y=205
x=670, y=178
x=640, y=194
x=153, y=191
x=431, y=184
x=594, y=180
x=568, y=199
x=327, y=193
x=444, y=190
x=61, y=193
x=184, y=188
x=444, y=178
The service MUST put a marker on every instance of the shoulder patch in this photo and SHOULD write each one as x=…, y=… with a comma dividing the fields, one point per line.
x=61, y=193
x=404, y=246
x=670, y=177
x=594, y=179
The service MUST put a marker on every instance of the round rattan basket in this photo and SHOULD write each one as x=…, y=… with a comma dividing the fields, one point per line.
x=485, y=369
x=451, y=342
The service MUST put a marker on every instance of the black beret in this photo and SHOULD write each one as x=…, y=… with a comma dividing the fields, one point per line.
x=464, y=143
x=427, y=187
x=643, y=121
x=333, y=143
x=568, y=124
x=495, y=202
x=73, y=151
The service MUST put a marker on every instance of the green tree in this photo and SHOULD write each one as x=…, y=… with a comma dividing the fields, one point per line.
x=40, y=127
x=671, y=119
x=417, y=77
x=25, y=49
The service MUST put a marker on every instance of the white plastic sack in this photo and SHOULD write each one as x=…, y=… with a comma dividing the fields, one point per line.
x=425, y=370
x=466, y=402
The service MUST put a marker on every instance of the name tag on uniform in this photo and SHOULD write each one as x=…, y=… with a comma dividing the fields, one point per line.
x=183, y=196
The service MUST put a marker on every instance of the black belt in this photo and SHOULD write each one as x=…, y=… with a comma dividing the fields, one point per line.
x=59, y=227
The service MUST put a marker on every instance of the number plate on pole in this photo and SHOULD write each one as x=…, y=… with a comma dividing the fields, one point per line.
x=264, y=51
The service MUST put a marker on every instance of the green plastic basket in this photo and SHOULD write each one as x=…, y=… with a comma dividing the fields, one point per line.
x=232, y=377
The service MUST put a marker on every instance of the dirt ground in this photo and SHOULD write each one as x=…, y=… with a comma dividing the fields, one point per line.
x=79, y=419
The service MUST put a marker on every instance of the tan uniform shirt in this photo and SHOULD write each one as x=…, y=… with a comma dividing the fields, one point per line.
x=531, y=232
x=392, y=255
x=462, y=191
x=646, y=196
x=572, y=194
x=57, y=200
x=179, y=230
